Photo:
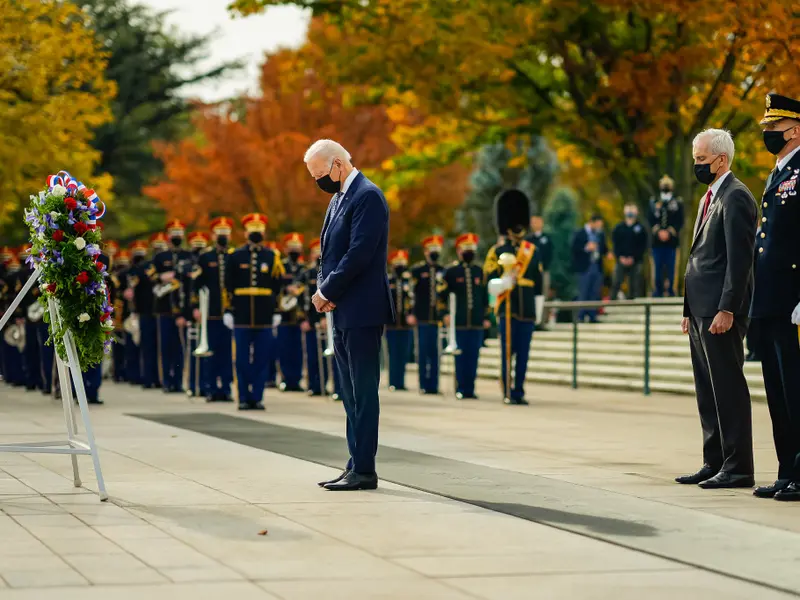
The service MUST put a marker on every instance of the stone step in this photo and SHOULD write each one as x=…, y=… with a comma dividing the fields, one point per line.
x=602, y=348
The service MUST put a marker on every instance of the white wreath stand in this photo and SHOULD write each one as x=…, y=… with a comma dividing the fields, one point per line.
x=68, y=372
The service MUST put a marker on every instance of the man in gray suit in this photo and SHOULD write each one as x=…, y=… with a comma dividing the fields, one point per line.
x=718, y=288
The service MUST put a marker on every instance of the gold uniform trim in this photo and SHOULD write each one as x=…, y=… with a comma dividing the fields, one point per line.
x=252, y=291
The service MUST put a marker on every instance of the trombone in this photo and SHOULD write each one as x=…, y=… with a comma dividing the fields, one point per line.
x=203, y=351
x=325, y=336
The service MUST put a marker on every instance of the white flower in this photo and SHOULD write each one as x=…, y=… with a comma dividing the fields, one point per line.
x=54, y=215
x=80, y=243
x=59, y=191
x=109, y=324
x=83, y=318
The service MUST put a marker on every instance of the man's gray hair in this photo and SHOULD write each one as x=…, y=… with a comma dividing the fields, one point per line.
x=720, y=141
x=327, y=149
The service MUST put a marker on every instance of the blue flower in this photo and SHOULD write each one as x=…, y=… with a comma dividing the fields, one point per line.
x=92, y=288
x=93, y=250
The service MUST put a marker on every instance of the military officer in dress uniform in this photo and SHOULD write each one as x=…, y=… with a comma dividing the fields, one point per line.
x=197, y=376
x=218, y=367
x=290, y=339
x=775, y=309
x=399, y=333
x=425, y=313
x=140, y=329
x=272, y=368
x=515, y=290
x=465, y=279
x=253, y=278
x=116, y=286
x=314, y=326
x=169, y=304
x=666, y=221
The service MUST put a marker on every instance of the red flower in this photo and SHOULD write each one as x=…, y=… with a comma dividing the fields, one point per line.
x=82, y=278
x=51, y=287
x=70, y=203
x=58, y=235
x=80, y=227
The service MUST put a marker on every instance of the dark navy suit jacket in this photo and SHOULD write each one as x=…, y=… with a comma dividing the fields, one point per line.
x=354, y=247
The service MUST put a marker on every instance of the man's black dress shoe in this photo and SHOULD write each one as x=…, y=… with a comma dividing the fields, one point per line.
x=791, y=493
x=257, y=406
x=339, y=478
x=245, y=406
x=727, y=480
x=769, y=491
x=94, y=401
x=353, y=481
x=703, y=474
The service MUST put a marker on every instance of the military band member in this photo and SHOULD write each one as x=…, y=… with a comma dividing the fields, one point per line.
x=544, y=246
x=465, y=279
x=314, y=326
x=141, y=357
x=515, y=304
x=116, y=285
x=666, y=220
x=5, y=299
x=198, y=376
x=272, y=368
x=290, y=342
x=12, y=356
x=32, y=360
x=775, y=310
x=219, y=366
x=399, y=336
x=425, y=313
x=145, y=301
x=93, y=376
x=253, y=278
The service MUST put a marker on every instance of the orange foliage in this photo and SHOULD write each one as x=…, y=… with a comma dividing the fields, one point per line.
x=248, y=156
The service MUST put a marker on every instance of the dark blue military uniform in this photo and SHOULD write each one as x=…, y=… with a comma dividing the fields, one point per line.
x=399, y=335
x=31, y=356
x=253, y=278
x=217, y=369
x=168, y=308
x=93, y=376
x=665, y=215
x=776, y=293
x=12, y=358
x=466, y=281
x=523, y=310
x=290, y=340
x=424, y=279
x=143, y=305
x=317, y=364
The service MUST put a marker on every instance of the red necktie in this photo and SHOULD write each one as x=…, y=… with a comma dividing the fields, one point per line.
x=706, y=205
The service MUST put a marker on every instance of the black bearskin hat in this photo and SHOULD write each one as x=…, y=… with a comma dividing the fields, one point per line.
x=511, y=211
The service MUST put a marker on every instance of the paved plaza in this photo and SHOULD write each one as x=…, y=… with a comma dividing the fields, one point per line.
x=570, y=498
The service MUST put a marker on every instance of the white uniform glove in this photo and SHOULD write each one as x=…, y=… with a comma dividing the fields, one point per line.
x=227, y=320
x=276, y=320
x=500, y=285
x=796, y=315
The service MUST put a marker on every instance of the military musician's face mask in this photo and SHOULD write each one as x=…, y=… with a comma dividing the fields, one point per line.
x=176, y=241
x=631, y=215
x=137, y=259
x=468, y=256
x=255, y=237
x=433, y=256
x=294, y=256
x=327, y=184
x=774, y=141
x=222, y=240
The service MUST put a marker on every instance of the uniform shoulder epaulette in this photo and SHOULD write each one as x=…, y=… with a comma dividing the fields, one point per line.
x=277, y=253
x=206, y=251
x=418, y=265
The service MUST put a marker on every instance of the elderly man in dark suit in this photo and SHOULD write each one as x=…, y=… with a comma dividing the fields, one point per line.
x=353, y=284
x=718, y=288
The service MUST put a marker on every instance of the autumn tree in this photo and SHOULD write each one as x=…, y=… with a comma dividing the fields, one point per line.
x=53, y=94
x=627, y=83
x=247, y=156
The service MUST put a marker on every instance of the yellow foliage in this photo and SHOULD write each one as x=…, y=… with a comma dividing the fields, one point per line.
x=53, y=93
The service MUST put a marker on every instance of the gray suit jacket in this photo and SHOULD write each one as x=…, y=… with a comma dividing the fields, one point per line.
x=719, y=272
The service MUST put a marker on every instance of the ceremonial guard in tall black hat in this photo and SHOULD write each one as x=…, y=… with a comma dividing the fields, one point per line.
x=425, y=313
x=314, y=327
x=465, y=280
x=141, y=347
x=775, y=309
x=169, y=305
x=253, y=278
x=197, y=383
x=218, y=367
x=399, y=335
x=290, y=342
x=13, y=337
x=666, y=220
x=514, y=272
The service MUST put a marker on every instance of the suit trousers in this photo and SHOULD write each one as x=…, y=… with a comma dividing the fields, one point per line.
x=590, y=283
x=633, y=274
x=778, y=347
x=358, y=352
x=723, y=399
x=398, y=342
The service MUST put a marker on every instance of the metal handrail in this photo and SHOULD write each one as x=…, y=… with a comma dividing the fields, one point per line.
x=646, y=303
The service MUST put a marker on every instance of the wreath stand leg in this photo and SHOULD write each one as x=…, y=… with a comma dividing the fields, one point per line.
x=68, y=372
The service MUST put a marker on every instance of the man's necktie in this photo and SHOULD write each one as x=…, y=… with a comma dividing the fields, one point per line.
x=706, y=205
x=335, y=203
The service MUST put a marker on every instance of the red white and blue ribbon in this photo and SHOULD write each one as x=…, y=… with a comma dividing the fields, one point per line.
x=64, y=179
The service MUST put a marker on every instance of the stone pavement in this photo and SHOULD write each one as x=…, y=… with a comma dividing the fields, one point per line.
x=569, y=498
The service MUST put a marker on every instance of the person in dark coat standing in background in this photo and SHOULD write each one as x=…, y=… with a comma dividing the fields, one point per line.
x=630, y=243
x=588, y=249
x=666, y=220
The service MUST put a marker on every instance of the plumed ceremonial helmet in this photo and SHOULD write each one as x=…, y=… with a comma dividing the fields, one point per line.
x=511, y=212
